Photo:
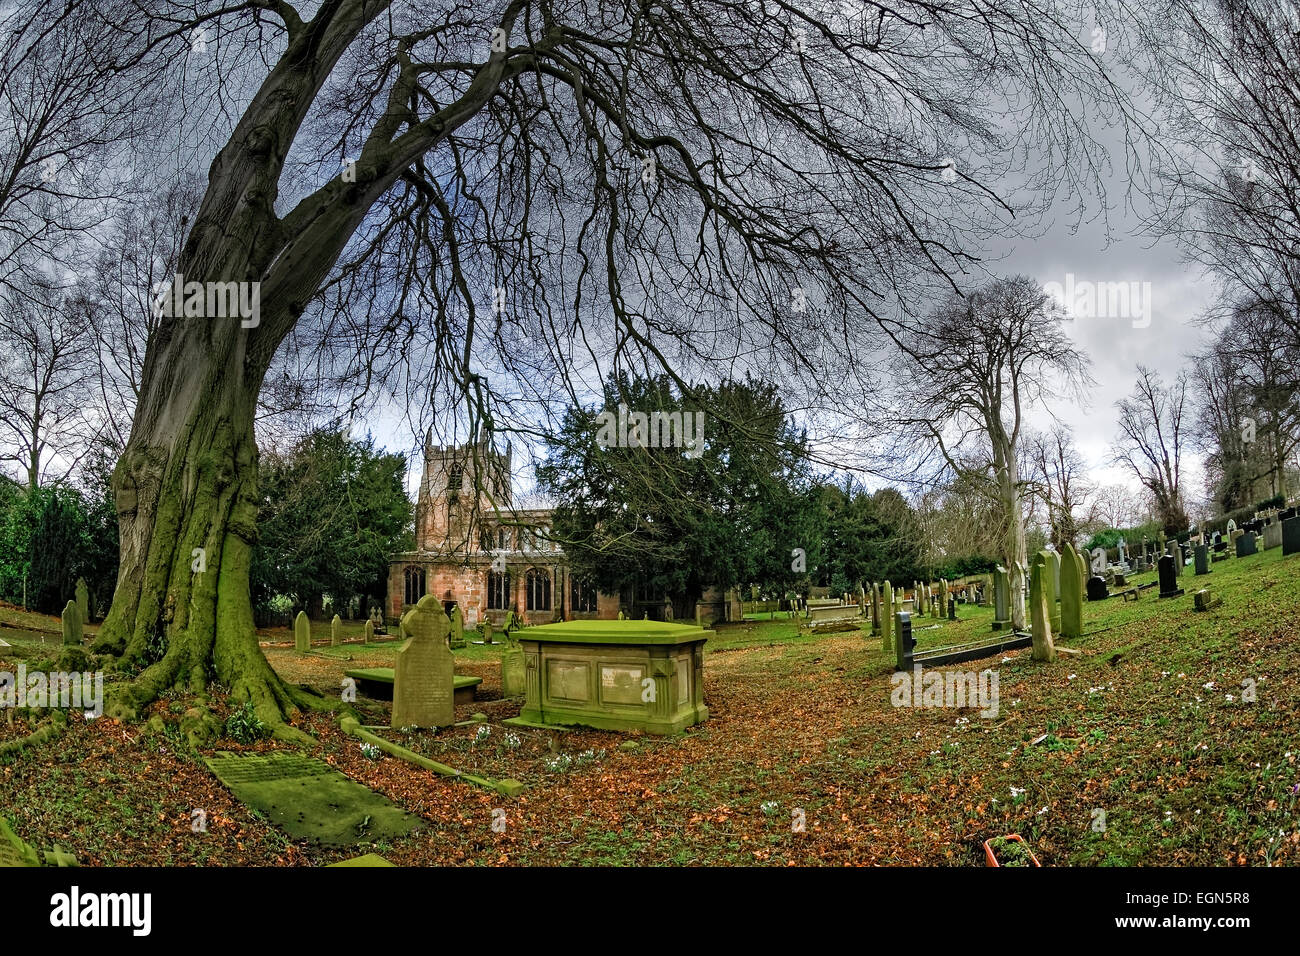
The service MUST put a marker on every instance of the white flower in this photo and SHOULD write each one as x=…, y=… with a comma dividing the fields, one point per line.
x=1017, y=791
x=1072, y=677
x=1209, y=685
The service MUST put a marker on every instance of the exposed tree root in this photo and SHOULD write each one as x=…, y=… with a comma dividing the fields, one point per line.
x=43, y=734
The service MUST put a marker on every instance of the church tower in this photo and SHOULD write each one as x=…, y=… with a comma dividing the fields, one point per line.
x=461, y=484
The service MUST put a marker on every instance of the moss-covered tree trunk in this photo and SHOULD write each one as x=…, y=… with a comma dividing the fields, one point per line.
x=186, y=492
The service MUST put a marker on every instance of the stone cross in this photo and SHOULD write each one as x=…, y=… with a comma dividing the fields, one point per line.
x=423, y=676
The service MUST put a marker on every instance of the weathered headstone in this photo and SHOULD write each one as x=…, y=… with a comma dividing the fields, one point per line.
x=1202, y=555
x=71, y=625
x=1001, y=599
x=1168, y=578
x=423, y=675
x=301, y=633
x=1071, y=594
x=1040, y=612
x=886, y=618
x=1098, y=560
x=1291, y=535
x=83, y=600
x=952, y=608
x=336, y=631
x=369, y=631
x=1206, y=600
x=1246, y=545
x=875, y=609
x=514, y=674
x=1053, y=585
x=1272, y=536
x=457, y=629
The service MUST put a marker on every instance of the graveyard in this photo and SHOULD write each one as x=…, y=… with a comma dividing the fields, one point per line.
x=1143, y=717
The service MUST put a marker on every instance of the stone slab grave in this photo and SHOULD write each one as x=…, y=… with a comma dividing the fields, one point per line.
x=1291, y=536
x=827, y=618
x=906, y=657
x=310, y=800
x=377, y=684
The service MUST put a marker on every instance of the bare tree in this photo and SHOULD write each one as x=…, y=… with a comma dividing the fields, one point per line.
x=625, y=184
x=1058, y=479
x=46, y=367
x=1115, y=506
x=1153, y=426
x=972, y=372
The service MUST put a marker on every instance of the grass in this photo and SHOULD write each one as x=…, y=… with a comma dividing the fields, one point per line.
x=1138, y=750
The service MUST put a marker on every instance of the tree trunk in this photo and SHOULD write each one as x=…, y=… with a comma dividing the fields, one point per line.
x=186, y=493
x=1015, y=549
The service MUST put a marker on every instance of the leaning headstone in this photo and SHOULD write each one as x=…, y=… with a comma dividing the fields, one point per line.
x=1202, y=555
x=423, y=675
x=1041, y=617
x=1071, y=594
x=1168, y=577
x=1246, y=545
x=83, y=600
x=71, y=625
x=301, y=633
x=1001, y=599
x=1291, y=535
x=1206, y=600
x=886, y=618
x=336, y=631
x=370, y=631
x=1052, y=584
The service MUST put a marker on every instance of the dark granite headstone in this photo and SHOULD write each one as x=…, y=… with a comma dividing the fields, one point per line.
x=1202, y=559
x=1097, y=590
x=1246, y=545
x=1169, y=578
x=1291, y=535
x=952, y=609
x=904, y=642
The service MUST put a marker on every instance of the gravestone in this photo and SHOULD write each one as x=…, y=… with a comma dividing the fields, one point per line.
x=1246, y=545
x=1098, y=560
x=1097, y=590
x=1232, y=526
x=1206, y=600
x=423, y=675
x=1272, y=536
x=906, y=643
x=1202, y=557
x=83, y=600
x=887, y=617
x=301, y=633
x=1291, y=535
x=1071, y=594
x=487, y=631
x=1168, y=578
x=336, y=631
x=457, y=640
x=376, y=616
x=1053, y=586
x=952, y=608
x=514, y=672
x=370, y=631
x=71, y=625
x=1001, y=599
x=875, y=609
x=1040, y=581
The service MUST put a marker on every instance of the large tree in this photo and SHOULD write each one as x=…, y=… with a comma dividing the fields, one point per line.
x=971, y=374
x=677, y=520
x=641, y=182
